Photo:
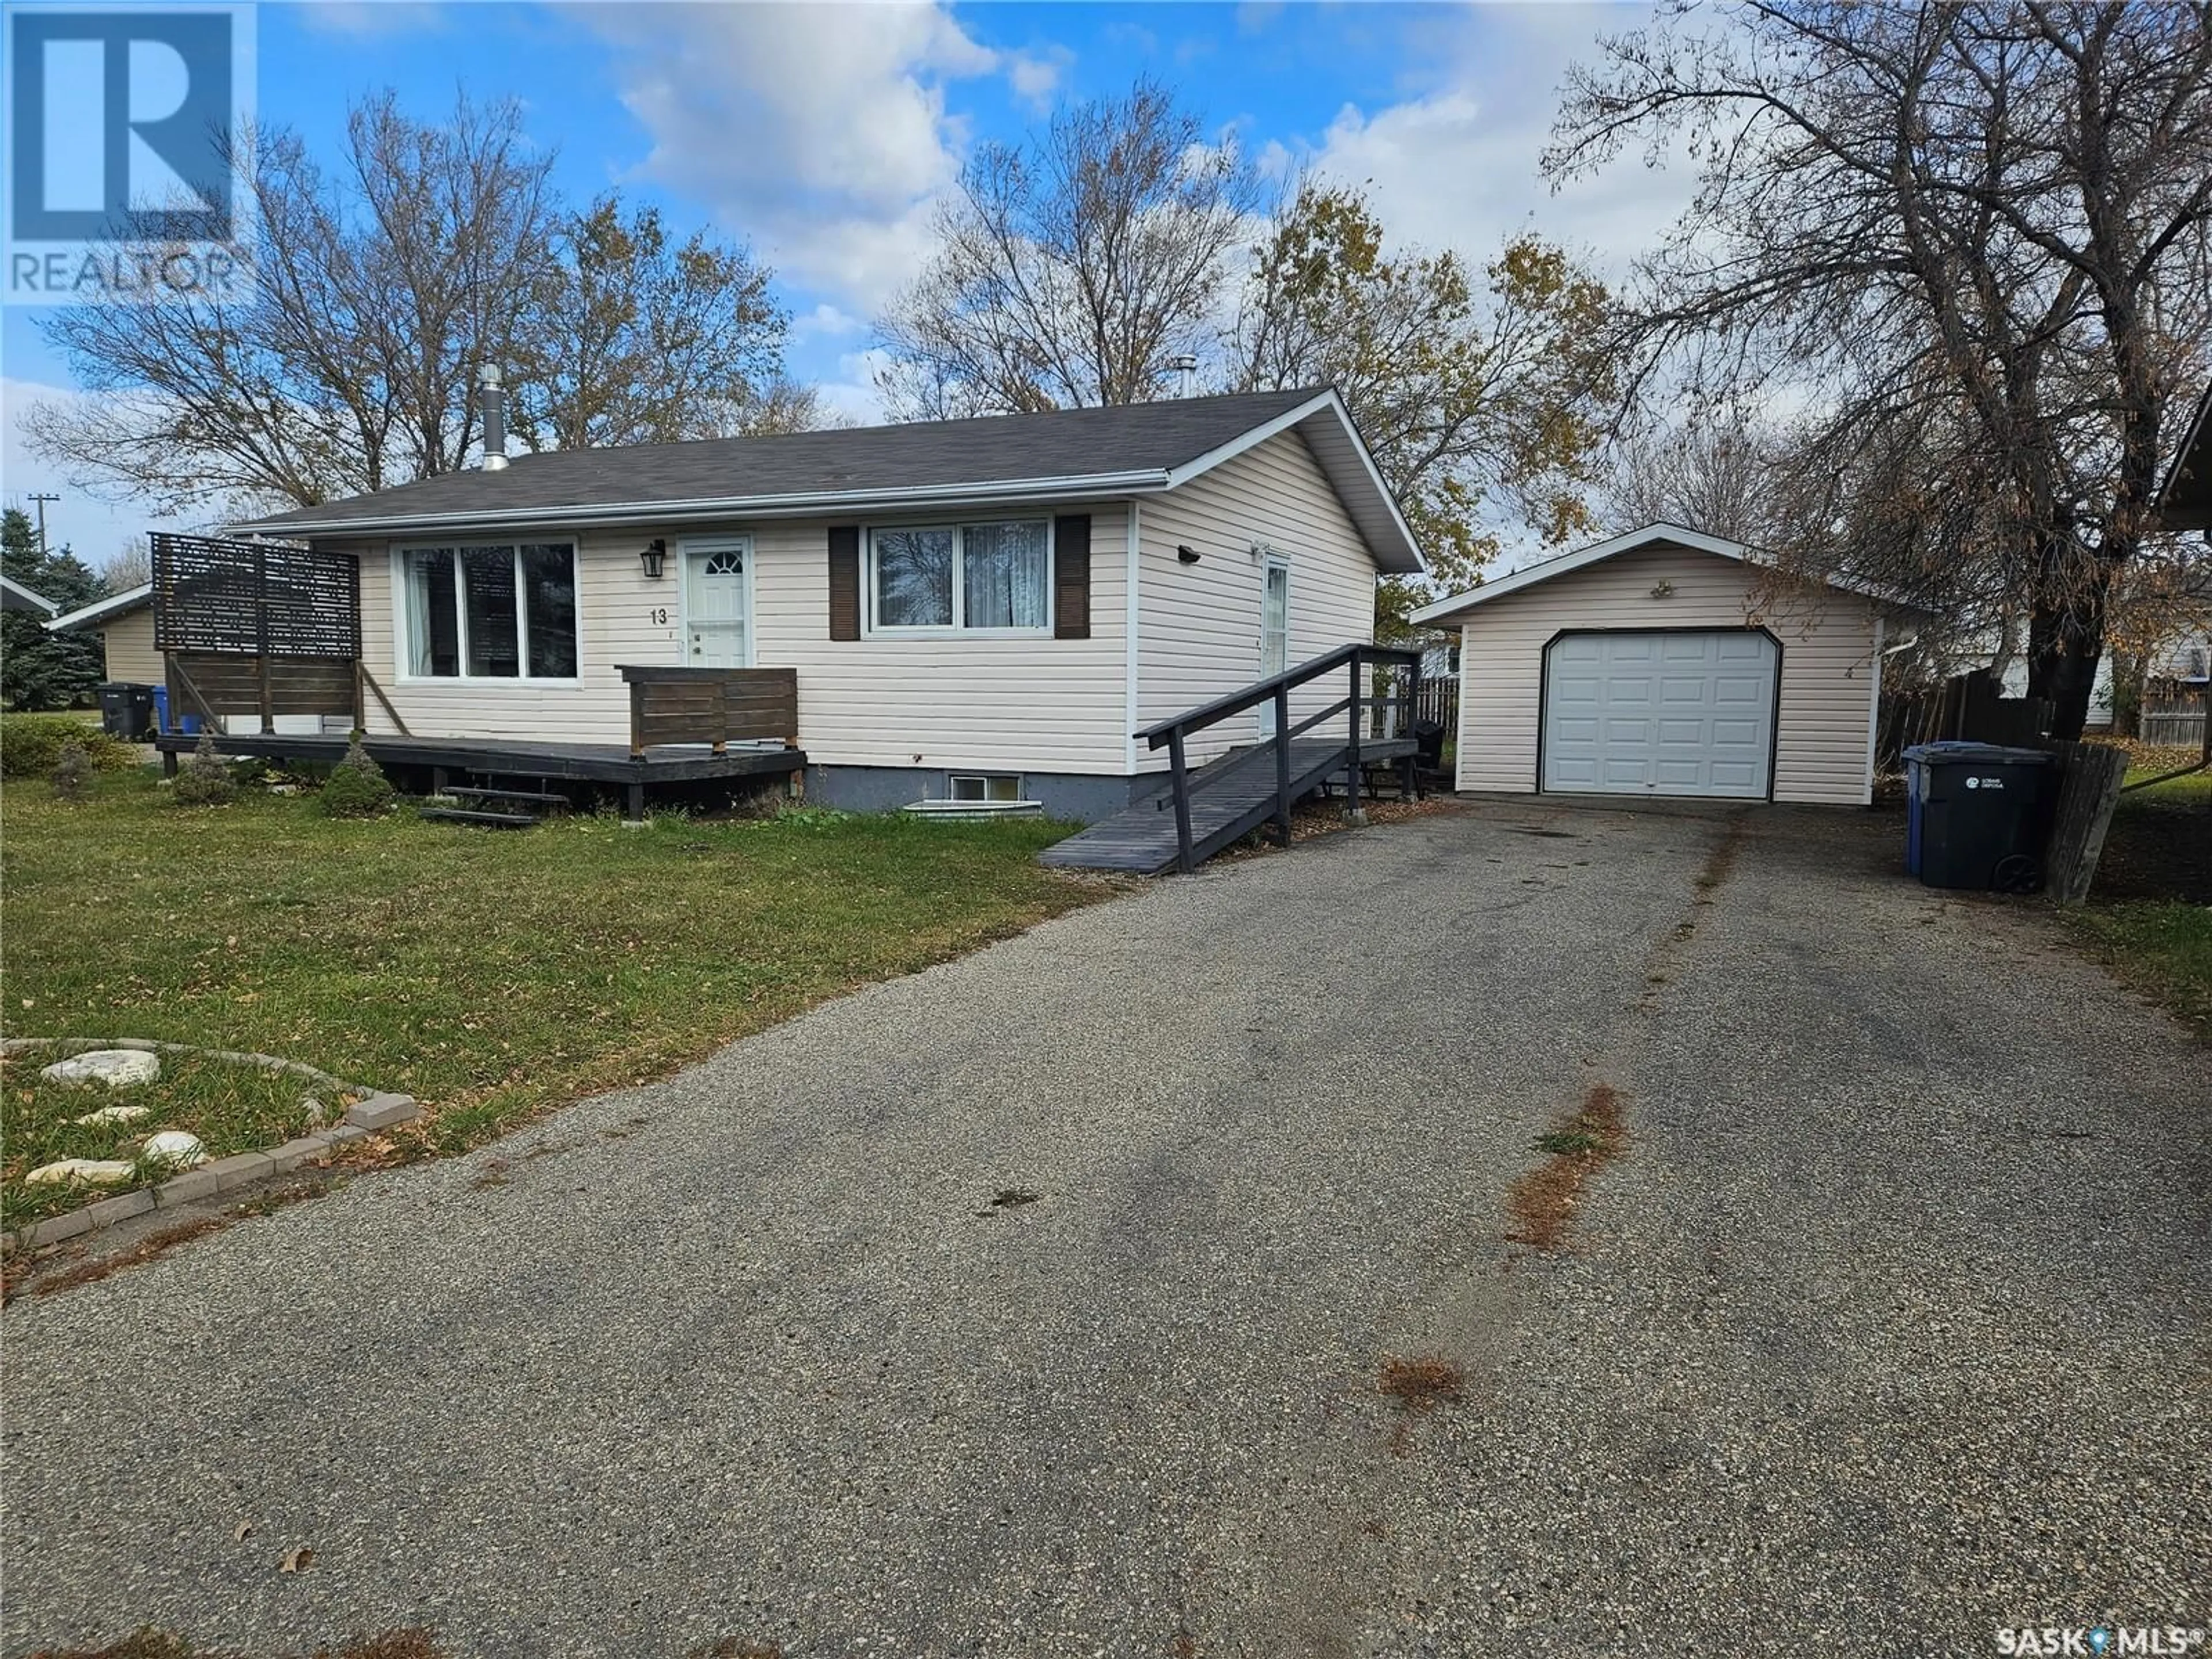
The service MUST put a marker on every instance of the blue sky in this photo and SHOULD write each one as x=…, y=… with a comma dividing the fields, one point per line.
x=822, y=133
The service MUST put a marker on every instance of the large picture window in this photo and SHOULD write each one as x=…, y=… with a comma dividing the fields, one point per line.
x=971, y=578
x=494, y=612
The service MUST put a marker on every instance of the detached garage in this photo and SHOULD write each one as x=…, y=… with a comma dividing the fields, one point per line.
x=1667, y=663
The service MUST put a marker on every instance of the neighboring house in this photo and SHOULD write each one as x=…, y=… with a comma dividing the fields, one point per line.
x=125, y=624
x=980, y=608
x=2185, y=500
x=1666, y=662
x=14, y=596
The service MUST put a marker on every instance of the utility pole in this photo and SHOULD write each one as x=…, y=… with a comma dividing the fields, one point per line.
x=42, y=498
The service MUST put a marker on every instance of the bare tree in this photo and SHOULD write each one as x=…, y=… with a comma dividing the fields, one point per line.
x=1474, y=392
x=1714, y=471
x=635, y=338
x=1073, y=269
x=1974, y=235
x=130, y=566
x=379, y=291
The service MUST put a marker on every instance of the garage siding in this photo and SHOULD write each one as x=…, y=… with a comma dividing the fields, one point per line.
x=128, y=643
x=1827, y=641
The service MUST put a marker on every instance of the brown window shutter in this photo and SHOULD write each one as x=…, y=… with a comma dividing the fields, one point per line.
x=1070, y=564
x=844, y=581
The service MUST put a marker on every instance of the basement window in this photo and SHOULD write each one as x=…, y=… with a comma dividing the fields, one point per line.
x=982, y=786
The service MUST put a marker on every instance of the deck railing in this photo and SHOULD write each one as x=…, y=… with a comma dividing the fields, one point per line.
x=1384, y=689
x=716, y=705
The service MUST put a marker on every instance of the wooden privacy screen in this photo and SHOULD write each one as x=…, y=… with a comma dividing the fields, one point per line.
x=254, y=598
x=716, y=705
x=220, y=683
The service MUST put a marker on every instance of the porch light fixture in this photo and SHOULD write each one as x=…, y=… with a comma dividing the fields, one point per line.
x=654, y=554
x=1187, y=553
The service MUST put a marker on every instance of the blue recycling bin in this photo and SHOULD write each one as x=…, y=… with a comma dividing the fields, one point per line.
x=161, y=709
x=1974, y=816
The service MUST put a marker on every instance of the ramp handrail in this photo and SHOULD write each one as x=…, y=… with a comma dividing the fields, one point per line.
x=1395, y=707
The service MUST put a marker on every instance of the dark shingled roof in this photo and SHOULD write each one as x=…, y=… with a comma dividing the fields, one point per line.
x=2185, y=500
x=931, y=456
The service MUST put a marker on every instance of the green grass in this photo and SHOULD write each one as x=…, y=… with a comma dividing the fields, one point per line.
x=231, y=1107
x=2163, y=947
x=2150, y=913
x=489, y=975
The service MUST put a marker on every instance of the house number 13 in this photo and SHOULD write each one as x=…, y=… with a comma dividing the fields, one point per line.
x=659, y=613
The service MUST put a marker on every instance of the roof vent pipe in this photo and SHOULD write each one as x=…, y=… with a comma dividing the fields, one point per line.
x=494, y=405
x=1186, y=371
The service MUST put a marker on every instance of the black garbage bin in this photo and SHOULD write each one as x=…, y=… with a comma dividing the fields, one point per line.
x=126, y=711
x=1976, y=816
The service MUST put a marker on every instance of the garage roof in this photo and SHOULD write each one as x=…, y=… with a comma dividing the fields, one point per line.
x=1651, y=535
x=102, y=611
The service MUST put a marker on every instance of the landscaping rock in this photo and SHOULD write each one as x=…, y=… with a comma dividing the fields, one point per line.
x=177, y=1148
x=114, y=1115
x=117, y=1068
x=97, y=1170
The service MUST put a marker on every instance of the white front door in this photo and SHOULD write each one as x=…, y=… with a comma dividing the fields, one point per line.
x=718, y=612
x=1667, y=713
x=1274, y=633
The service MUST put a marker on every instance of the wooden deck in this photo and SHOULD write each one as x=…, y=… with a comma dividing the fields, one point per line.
x=1230, y=797
x=493, y=758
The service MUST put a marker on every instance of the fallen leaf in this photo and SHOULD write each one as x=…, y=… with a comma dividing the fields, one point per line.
x=238, y=1532
x=298, y=1561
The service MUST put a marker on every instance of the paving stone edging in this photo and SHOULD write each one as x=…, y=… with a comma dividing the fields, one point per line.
x=377, y=1110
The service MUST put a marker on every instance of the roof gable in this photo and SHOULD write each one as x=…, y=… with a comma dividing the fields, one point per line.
x=1582, y=558
x=102, y=611
x=2184, y=498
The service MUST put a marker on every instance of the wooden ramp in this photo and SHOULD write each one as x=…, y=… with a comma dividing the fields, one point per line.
x=1229, y=798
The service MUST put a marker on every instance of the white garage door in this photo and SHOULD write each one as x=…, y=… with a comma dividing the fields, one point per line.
x=1660, y=714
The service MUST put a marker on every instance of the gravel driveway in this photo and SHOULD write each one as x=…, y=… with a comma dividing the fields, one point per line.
x=1887, y=1329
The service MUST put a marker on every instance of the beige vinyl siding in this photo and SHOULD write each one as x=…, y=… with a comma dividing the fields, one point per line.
x=1827, y=640
x=963, y=702
x=1198, y=633
x=128, y=643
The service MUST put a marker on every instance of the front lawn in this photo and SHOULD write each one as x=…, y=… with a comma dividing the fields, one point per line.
x=230, y=1108
x=490, y=975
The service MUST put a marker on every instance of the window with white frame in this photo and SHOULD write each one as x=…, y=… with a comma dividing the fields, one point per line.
x=499, y=610
x=968, y=578
x=987, y=786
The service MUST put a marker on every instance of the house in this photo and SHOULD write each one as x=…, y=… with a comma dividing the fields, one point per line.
x=1666, y=662
x=125, y=623
x=14, y=596
x=2184, y=498
x=981, y=609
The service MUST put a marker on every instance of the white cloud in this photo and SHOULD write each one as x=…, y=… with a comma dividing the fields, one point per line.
x=96, y=529
x=851, y=391
x=818, y=132
x=1456, y=165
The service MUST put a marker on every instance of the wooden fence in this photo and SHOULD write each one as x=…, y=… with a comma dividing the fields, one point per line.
x=1970, y=707
x=2088, y=786
x=2177, y=722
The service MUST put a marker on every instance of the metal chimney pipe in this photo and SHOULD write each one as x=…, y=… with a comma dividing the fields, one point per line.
x=495, y=417
x=1186, y=371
